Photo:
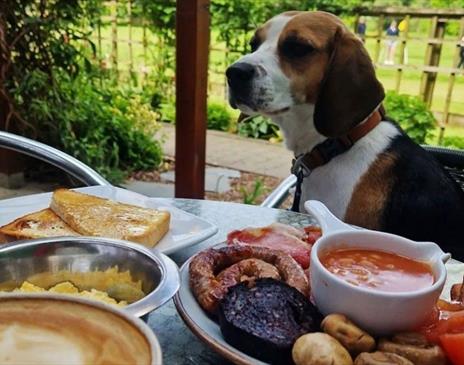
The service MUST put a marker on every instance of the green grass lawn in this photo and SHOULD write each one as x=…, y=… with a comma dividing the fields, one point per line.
x=410, y=83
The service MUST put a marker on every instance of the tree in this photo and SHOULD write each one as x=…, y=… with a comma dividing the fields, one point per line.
x=36, y=43
x=51, y=91
x=235, y=19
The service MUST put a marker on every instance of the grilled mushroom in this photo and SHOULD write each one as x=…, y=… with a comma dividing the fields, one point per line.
x=319, y=349
x=457, y=292
x=411, y=338
x=381, y=358
x=415, y=348
x=354, y=339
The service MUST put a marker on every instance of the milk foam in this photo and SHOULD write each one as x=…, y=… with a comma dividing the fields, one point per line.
x=43, y=331
x=26, y=344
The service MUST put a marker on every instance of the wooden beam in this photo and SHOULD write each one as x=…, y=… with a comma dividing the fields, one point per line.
x=449, y=92
x=192, y=43
x=432, y=58
x=114, y=36
x=415, y=13
x=404, y=39
x=378, y=41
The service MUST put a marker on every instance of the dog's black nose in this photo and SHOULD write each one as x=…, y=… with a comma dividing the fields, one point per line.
x=240, y=74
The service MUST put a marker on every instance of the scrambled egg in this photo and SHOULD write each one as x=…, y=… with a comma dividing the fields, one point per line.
x=109, y=286
x=68, y=288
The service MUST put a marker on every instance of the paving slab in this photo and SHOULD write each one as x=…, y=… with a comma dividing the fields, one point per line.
x=151, y=189
x=238, y=153
x=217, y=179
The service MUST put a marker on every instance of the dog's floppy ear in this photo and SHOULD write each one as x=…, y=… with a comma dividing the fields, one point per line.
x=349, y=91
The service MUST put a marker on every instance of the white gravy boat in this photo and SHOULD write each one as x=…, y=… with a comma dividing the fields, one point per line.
x=377, y=312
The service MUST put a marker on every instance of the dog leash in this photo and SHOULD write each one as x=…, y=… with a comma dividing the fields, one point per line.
x=321, y=154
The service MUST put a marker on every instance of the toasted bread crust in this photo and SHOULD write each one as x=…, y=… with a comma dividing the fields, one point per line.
x=94, y=216
x=44, y=223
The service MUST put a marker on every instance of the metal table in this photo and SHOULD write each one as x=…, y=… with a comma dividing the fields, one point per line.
x=179, y=345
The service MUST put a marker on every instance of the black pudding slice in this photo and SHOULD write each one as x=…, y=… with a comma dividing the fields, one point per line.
x=265, y=320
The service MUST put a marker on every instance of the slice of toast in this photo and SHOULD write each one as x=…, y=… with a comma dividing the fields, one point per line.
x=43, y=223
x=93, y=216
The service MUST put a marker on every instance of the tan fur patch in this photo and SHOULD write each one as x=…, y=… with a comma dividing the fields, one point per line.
x=318, y=28
x=261, y=33
x=371, y=193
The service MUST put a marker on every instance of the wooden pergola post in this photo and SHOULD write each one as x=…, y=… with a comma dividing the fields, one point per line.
x=192, y=43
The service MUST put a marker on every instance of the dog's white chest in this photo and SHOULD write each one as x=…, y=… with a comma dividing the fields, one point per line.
x=333, y=183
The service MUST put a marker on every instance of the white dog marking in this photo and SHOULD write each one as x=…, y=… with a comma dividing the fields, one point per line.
x=271, y=90
x=334, y=182
x=297, y=125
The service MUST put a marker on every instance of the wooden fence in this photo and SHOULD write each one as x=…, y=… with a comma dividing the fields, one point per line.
x=113, y=61
x=434, y=40
x=430, y=69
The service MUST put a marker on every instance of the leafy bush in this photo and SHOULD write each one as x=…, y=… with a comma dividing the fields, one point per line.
x=454, y=142
x=411, y=114
x=258, y=127
x=219, y=117
x=167, y=111
x=55, y=95
x=111, y=131
x=108, y=129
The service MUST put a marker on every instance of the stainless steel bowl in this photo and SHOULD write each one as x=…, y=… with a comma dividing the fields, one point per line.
x=158, y=273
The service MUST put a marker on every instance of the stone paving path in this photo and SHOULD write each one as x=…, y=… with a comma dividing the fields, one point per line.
x=239, y=153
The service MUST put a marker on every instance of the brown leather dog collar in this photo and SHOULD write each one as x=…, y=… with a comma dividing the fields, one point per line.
x=332, y=147
x=322, y=153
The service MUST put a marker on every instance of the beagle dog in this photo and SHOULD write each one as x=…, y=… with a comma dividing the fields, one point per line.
x=315, y=80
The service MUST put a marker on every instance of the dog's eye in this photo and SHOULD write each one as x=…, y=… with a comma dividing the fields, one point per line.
x=294, y=48
x=254, y=44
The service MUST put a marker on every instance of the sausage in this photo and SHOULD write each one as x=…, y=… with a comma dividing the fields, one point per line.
x=247, y=270
x=204, y=268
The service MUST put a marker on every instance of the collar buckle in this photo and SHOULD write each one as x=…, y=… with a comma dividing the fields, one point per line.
x=299, y=167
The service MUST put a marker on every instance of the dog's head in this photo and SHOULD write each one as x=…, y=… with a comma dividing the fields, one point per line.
x=309, y=58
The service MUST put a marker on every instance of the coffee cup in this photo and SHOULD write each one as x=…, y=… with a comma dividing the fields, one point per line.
x=57, y=329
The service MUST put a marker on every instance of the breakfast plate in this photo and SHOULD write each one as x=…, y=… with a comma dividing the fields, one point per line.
x=208, y=330
x=185, y=229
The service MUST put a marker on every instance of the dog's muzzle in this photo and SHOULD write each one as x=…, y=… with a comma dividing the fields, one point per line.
x=239, y=77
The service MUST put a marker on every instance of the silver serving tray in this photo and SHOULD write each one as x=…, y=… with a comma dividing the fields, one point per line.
x=158, y=273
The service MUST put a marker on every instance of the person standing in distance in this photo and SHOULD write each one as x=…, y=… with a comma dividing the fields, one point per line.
x=361, y=28
x=392, y=40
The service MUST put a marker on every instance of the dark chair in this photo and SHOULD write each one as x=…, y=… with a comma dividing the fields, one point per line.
x=451, y=159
